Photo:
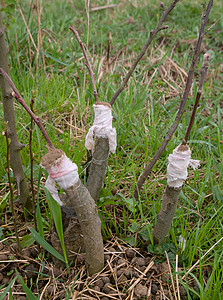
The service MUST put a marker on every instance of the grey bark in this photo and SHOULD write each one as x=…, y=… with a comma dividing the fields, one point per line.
x=9, y=117
x=80, y=199
x=98, y=167
x=166, y=214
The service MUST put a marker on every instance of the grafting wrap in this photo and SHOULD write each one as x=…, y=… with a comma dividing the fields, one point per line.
x=64, y=173
x=177, y=167
x=102, y=127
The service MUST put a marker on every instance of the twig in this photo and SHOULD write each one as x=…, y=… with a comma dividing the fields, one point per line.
x=141, y=276
x=31, y=164
x=92, y=75
x=212, y=26
x=108, y=51
x=143, y=51
x=174, y=126
x=115, y=278
x=19, y=98
x=5, y=133
x=200, y=87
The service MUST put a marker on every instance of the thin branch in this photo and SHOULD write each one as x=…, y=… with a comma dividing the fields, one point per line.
x=19, y=98
x=203, y=9
x=172, y=129
x=5, y=133
x=162, y=6
x=143, y=51
x=31, y=164
x=198, y=96
x=212, y=26
x=88, y=65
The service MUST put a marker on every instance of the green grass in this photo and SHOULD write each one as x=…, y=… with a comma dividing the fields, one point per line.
x=142, y=115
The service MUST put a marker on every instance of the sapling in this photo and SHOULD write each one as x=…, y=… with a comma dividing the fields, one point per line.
x=102, y=146
x=105, y=141
x=202, y=32
x=177, y=171
x=63, y=172
x=101, y=131
x=9, y=117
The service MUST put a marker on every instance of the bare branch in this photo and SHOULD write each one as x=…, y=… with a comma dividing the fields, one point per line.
x=88, y=65
x=5, y=133
x=212, y=26
x=162, y=6
x=172, y=129
x=9, y=117
x=200, y=87
x=19, y=98
x=203, y=9
x=143, y=51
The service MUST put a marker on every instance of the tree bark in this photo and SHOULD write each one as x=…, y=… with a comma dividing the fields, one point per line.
x=98, y=167
x=166, y=214
x=83, y=204
x=9, y=117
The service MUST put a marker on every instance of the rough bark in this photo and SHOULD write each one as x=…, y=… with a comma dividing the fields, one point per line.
x=166, y=214
x=9, y=117
x=80, y=199
x=98, y=167
x=73, y=237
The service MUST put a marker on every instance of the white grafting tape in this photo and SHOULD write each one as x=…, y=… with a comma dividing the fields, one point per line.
x=64, y=173
x=102, y=127
x=177, y=167
x=50, y=185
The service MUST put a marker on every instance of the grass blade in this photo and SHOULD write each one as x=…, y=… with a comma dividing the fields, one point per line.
x=28, y=292
x=37, y=237
x=56, y=212
x=6, y=290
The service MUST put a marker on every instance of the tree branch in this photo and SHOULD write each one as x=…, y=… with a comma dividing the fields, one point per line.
x=19, y=98
x=198, y=96
x=172, y=129
x=9, y=117
x=143, y=51
x=88, y=65
x=5, y=133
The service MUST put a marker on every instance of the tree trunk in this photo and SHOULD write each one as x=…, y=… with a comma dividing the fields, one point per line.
x=9, y=117
x=98, y=167
x=166, y=214
x=65, y=173
x=80, y=199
